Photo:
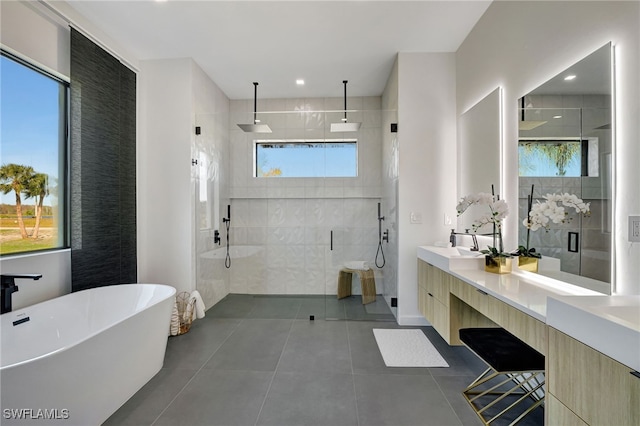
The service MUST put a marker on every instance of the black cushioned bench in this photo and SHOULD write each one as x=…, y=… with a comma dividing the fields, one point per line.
x=515, y=361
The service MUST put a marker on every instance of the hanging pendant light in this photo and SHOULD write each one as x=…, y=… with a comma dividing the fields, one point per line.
x=256, y=127
x=345, y=126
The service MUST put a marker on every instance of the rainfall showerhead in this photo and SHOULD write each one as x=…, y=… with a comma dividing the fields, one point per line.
x=256, y=127
x=345, y=126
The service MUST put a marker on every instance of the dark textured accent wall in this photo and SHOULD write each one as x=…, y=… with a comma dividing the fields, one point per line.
x=103, y=167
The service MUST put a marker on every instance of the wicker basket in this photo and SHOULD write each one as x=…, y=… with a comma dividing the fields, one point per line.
x=186, y=310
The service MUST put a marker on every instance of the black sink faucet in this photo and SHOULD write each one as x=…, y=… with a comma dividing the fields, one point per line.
x=9, y=287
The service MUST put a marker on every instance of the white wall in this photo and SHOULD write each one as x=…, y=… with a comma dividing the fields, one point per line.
x=173, y=94
x=165, y=207
x=36, y=35
x=55, y=267
x=520, y=45
x=427, y=163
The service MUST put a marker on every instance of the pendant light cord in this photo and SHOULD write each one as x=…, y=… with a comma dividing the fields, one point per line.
x=345, y=99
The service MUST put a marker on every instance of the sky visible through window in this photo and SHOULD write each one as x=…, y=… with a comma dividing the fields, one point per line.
x=30, y=122
x=306, y=159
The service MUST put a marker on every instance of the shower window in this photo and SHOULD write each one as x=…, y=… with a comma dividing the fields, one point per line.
x=34, y=152
x=306, y=158
x=558, y=158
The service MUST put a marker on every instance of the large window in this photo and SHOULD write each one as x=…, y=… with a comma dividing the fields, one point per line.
x=33, y=166
x=305, y=158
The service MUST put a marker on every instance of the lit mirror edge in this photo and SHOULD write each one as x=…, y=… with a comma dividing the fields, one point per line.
x=485, y=114
x=585, y=282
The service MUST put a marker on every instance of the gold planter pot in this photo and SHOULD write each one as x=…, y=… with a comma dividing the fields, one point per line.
x=497, y=265
x=528, y=263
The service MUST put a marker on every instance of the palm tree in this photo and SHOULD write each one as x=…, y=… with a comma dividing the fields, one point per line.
x=16, y=177
x=37, y=188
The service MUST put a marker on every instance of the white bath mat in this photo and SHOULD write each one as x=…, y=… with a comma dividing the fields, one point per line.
x=407, y=348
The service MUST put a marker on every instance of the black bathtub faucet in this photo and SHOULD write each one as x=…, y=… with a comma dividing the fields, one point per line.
x=9, y=287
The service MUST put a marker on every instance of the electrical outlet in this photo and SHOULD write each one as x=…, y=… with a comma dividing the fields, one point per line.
x=447, y=220
x=634, y=229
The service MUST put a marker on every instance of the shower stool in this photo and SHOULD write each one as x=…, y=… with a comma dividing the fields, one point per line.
x=367, y=282
x=515, y=361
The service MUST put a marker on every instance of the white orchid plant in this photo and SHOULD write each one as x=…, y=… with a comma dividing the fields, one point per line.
x=498, y=210
x=551, y=210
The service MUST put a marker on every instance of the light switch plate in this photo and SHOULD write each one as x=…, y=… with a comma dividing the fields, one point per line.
x=634, y=229
x=415, y=217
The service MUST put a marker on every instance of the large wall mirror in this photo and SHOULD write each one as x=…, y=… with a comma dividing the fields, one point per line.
x=479, y=155
x=565, y=146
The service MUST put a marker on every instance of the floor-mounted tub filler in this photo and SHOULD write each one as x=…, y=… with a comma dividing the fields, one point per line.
x=76, y=359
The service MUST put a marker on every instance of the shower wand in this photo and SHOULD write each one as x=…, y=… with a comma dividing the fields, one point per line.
x=381, y=237
x=227, y=222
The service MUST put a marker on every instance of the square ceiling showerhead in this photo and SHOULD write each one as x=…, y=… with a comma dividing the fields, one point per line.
x=345, y=127
x=255, y=128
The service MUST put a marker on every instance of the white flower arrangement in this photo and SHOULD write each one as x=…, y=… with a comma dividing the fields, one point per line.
x=498, y=210
x=552, y=210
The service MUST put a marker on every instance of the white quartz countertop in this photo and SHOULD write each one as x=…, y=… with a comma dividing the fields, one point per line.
x=518, y=289
x=523, y=290
x=608, y=324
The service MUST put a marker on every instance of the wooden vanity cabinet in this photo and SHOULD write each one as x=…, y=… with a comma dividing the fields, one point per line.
x=433, y=297
x=450, y=304
x=588, y=385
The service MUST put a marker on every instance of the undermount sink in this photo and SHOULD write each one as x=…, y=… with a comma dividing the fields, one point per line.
x=447, y=258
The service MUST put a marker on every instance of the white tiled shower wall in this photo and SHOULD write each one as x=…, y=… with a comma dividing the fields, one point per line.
x=282, y=228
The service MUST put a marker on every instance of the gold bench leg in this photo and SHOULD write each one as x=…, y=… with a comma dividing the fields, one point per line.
x=528, y=387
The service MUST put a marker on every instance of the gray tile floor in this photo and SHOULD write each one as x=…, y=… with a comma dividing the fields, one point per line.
x=261, y=361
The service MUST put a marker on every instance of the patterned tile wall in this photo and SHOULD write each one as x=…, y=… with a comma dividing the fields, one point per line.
x=282, y=228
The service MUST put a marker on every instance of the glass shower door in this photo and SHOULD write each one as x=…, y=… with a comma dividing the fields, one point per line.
x=355, y=285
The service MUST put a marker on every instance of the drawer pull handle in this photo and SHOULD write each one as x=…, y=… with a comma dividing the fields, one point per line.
x=484, y=293
x=430, y=294
x=635, y=373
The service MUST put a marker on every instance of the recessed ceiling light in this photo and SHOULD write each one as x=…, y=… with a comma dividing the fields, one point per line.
x=557, y=116
x=569, y=77
x=300, y=82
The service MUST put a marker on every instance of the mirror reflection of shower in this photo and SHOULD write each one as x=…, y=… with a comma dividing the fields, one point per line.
x=227, y=222
x=382, y=236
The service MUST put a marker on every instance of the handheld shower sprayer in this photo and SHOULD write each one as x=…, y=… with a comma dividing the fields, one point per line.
x=227, y=222
x=381, y=237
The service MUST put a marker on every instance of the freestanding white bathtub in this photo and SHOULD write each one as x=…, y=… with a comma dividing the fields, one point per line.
x=79, y=357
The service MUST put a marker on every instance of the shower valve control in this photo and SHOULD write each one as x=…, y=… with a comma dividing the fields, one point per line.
x=216, y=237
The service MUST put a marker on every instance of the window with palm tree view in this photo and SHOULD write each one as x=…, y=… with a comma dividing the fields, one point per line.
x=33, y=146
x=561, y=158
